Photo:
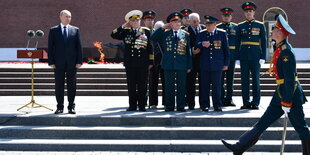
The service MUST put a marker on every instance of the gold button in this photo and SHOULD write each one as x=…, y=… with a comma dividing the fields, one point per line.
x=210, y=48
x=210, y=57
x=249, y=37
x=174, y=56
x=132, y=55
x=138, y=55
x=249, y=47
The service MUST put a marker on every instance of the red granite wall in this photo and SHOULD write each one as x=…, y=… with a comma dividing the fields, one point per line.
x=97, y=18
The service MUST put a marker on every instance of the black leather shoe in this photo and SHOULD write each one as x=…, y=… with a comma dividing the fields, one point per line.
x=229, y=104
x=169, y=109
x=71, y=111
x=218, y=109
x=246, y=107
x=59, y=111
x=205, y=109
x=255, y=107
x=142, y=109
x=191, y=108
x=131, y=109
x=181, y=110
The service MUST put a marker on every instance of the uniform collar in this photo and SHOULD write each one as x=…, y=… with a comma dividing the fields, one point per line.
x=281, y=43
x=62, y=25
x=250, y=21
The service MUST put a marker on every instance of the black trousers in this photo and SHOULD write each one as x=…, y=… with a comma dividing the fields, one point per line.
x=211, y=78
x=191, y=87
x=137, y=86
x=60, y=76
x=155, y=73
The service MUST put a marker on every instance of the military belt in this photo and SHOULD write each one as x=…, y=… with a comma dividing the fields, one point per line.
x=232, y=47
x=250, y=43
x=281, y=81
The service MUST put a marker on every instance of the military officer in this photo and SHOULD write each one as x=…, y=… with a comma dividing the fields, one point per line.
x=214, y=58
x=155, y=71
x=251, y=53
x=194, y=29
x=230, y=28
x=287, y=99
x=137, y=57
x=176, y=61
x=185, y=20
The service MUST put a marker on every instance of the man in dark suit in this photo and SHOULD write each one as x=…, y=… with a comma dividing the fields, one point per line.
x=194, y=29
x=214, y=59
x=65, y=57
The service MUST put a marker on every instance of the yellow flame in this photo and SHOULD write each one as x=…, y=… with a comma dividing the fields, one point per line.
x=98, y=45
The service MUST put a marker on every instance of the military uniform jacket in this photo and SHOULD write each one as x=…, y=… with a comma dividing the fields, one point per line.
x=288, y=90
x=216, y=56
x=251, y=40
x=176, y=52
x=138, y=49
x=231, y=30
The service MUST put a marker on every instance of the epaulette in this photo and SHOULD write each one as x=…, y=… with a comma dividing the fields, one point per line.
x=166, y=30
x=219, y=24
x=283, y=47
x=127, y=28
x=203, y=30
x=145, y=28
x=259, y=22
x=185, y=32
x=234, y=23
x=242, y=22
x=221, y=30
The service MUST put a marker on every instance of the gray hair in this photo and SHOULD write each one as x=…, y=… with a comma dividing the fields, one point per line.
x=194, y=15
x=158, y=24
x=65, y=12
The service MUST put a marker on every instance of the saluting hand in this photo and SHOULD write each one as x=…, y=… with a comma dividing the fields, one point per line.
x=206, y=44
x=126, y=25
x=167, y=26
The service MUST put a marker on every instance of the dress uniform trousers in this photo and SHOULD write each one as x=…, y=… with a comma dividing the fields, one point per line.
x=229, y=74
x=248, y=66
x=155, y=73
x=60, y=75
x=207, y=78
x=191, y=85
x=137, y=86
x=173, y=77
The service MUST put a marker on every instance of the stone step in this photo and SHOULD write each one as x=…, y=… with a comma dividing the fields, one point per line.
x=150, y=118
x=138, y=132
x=114, y=80
x=237, y=86
x=138, y=145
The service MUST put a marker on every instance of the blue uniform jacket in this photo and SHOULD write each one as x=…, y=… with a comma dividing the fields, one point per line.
x=216, y=56
x=176, y=52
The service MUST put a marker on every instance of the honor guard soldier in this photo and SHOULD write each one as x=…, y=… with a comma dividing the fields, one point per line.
x=287, y=99
x=193, y=30
x=155, y=71
x=214, y=58
x=176, y=61
x=230, y=28
x=185, y=20
x=251, y=53
x=138, y=57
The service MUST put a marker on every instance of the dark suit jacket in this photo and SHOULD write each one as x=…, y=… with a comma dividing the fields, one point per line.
x=65, y=55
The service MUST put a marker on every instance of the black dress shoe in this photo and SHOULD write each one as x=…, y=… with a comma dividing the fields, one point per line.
x=71, y=111
x=169, y=109
x=255, y=107
x=229, y=104
x=246, y=107
x=142, y=109
x=219, y=109
x=59, y=111
x=181, y=110
x=205, y=109
x=131, y=109
x=191, y=108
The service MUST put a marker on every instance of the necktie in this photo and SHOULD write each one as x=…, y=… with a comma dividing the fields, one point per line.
x=65, y=34
x=196, y=31
x=176, y=34
x=135, y=31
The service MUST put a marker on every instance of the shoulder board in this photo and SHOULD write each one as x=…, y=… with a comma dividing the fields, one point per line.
x=283, y=47
x=234, y=23
x=219, y=24
x=221, y=30
x=166, y=30
x=127, y=28
x=185, y=32
x=259, y=22
x=242, y=22
x=145, y=28
x=203, y=30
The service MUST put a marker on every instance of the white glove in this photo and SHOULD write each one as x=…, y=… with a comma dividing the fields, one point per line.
x=237, y=62
x=261, y=61
x=286, y=110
